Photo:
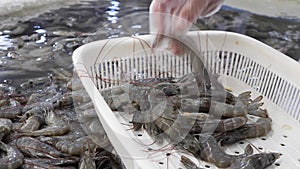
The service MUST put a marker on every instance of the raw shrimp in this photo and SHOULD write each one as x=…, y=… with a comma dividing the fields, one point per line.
x=107, y=160
x=176, y=124
x=206, y=147
x=11, y=109
x=256, y=161
x=5, y=127
x=64, y=102
x=38, y=163
x=50, y=161
x=260, y=128
x=55, y=126
x=10, y=158
x=36, y=82
x=44, y=106
x=34, y=117
x=86, y=115
x=75, y=147
x=34, y=148
x=218, y=125
x=87, y=160
x=189, y=164
x=85, y=106
x=231, y=107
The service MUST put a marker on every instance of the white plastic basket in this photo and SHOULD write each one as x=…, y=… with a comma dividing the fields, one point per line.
x=243, y=63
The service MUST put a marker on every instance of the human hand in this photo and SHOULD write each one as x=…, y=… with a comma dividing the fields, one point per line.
x=171, y=19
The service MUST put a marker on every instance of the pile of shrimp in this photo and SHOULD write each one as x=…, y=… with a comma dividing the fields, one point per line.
x=40, y=127
x=200, y=120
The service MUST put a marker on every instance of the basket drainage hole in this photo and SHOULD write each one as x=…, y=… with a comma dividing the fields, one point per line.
x=282, y=145
x=285, y=136
x=150, y=149
x=161, y=163
x=207, y=166
x=140, y=135
x=260, y=148
x=168, y=154
x=263, y=139
x=277, y=164
x=241, y=142
x=236, y=152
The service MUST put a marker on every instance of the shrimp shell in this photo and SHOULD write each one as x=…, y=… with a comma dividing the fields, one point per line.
x=189, y=164
x=5, y=127
x=10, y=110
x=206, y=147
x=35, y=120
x=34, y=148
x=31, y=163
x=13, y=158
x=49, y=161
x=75, y=147
x=55, y=126
x=260, y=128
x=256, y=161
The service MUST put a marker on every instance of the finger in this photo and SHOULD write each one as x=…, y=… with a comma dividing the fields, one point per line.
x=157, y=7
x=160, y=18
x=176, y=47
x=182, y=21
x=158, y=38
x=188, y=14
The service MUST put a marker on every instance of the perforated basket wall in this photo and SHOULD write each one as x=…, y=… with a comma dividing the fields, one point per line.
x=242, y=63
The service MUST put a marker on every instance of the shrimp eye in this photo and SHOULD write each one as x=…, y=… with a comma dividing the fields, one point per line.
x=31, y=84
x=171, y=90
x=29, y=113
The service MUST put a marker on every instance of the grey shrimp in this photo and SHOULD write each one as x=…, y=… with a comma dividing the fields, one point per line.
x=75, y=147
x=206, y=147
x=11, y=109
x=189, y=164
x=42, y=163
x=12, y=159
x=87, y=160
x=256, y=161
x=258, y=129
x=34, y=117
x=55, y=126
x=34, y=148
x=5, y=127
